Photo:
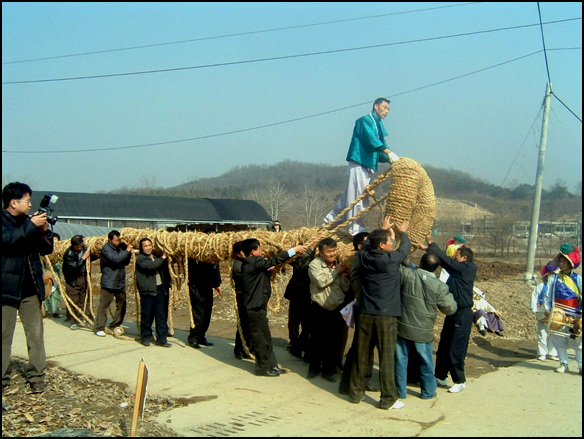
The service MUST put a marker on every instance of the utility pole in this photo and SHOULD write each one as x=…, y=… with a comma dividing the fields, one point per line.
x=533, y=229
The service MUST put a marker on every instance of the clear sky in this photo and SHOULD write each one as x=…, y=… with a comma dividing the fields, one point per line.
x=299, y=97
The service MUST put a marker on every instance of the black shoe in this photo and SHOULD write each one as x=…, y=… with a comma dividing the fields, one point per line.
x=239, y=355
x=384, y=405
x=312, y=374
x=279, y=371
x=206, y=343
x=356, y=400
x=330, y=378
x=296, y=352
x=56, y=315
x=164, y=345
x=483, y=332
x=371, y=388
x=145, y=342
x=268, y=373
x=194, y=345
x=37, y=387
x=499, y=333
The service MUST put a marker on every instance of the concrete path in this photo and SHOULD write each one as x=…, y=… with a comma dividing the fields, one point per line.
x=228, y=400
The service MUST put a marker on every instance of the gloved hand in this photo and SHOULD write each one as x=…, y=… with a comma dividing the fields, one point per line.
x=393, y=157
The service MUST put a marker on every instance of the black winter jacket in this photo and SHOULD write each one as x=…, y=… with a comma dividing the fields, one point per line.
x=380, y=279
x=73, y=265
x=113, y=267
x=146, y=271
x=461, y=279
x=22, y=246
x=256, y=279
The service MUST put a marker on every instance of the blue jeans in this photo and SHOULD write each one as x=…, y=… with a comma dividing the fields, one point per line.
x=427, y=380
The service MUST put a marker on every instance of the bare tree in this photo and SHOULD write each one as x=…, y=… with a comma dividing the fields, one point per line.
x=312, y=205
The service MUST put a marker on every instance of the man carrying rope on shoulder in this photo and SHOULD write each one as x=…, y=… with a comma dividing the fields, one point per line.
x=367, y=149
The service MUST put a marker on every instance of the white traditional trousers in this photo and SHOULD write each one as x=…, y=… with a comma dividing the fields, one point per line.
x=359, y=178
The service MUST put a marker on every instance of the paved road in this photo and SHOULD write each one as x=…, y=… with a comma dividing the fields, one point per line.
x=228, y=400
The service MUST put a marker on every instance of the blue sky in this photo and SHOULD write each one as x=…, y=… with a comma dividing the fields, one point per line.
x=486, y=124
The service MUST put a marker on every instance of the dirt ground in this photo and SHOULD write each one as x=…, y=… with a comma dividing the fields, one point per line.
x=92, y=405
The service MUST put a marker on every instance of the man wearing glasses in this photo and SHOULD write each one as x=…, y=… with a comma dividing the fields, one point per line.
x=24, y=240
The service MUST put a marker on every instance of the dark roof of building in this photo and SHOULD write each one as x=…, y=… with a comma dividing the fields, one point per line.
x=68, y=231
x=148, y=207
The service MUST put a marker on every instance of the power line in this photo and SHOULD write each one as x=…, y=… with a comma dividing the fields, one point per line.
x=145, y=46
x=543, y=44
x=261, y=126
x=286, y=56
x=567, y=108
x=522, y=144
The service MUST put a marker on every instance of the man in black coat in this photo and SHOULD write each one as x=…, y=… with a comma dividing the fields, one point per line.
x=24, y=239
x=256, y=292
x=455, y=334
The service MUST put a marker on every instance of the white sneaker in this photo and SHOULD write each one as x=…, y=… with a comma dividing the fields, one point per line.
x=457, y=388
x=553, y=357
x=397, y=405
x=562, y=369
x=73, y=327
x=542, y=358
x=100, y=333
x=441, y=383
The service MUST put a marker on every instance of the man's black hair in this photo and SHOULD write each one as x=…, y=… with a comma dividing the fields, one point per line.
x=249, y=245
x=466, y=251
x=378, y=236
x=14, y=191
x=77, y=240
x=143, y=240
x=359, y=238
x=429, y=262
x=328, y=242
x=113, y=233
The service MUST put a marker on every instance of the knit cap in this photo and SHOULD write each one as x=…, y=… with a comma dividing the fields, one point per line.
x=456, y=239
x=570, y=252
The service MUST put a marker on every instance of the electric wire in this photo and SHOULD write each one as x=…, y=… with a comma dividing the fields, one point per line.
x=567, y=108
x=261, y=126
x=531, y=129
x=145, y=46
x=277, y=58
x=543, y=44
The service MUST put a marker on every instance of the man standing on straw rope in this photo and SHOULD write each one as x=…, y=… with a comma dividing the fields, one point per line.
x=367, y=149
x=115, y=255
x=23, y=288
x=257, y=291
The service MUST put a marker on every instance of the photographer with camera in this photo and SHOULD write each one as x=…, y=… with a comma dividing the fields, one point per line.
x=24, y=240
x=115, y=255
x=75, y=272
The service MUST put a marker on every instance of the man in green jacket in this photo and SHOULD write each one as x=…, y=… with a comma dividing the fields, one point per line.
x=367, y=149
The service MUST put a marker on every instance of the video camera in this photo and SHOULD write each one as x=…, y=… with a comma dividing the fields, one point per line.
x=46, y=203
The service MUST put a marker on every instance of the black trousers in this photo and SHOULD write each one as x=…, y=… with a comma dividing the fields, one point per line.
x=261, y=340
x=152, y=309
x=453, y=346
x=299, y=317
x=325, y=339
x=202, y=307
